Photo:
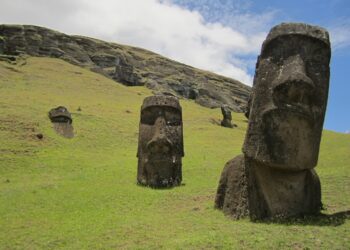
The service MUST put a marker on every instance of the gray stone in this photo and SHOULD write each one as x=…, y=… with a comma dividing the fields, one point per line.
x=227, y=117
x=160, y=146
x=62, y=121
x=274, y=177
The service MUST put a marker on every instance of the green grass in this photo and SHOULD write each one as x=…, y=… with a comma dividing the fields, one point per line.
x=81, y=193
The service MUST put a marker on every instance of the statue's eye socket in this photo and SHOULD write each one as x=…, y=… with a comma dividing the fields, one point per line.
x=173, y=118
x=62, y=119
x=173, y=123
x=148, y=117
x=171, y=115
x=149, y=120
x=317, y=61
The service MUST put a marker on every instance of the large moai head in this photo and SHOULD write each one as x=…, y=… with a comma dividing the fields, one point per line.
x=289, y=97
x=160, y=147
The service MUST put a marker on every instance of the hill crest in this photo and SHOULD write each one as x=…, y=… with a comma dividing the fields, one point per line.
x=128, y=65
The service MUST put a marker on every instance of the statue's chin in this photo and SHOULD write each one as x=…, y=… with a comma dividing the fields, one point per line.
x=289, y=139
x=161, y=165
x=162, y=172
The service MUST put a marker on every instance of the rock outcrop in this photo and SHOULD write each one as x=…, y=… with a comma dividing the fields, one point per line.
x=128, y=65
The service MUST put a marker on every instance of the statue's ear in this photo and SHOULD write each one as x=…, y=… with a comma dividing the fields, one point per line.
x=249, y=104
x=257, y=63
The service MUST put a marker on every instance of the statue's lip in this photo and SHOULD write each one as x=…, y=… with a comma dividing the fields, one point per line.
x=162, y=158
x=296, y=109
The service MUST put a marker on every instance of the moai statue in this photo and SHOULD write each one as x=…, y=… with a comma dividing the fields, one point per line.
x=247, y=110
x=62, y=121
x=227, y=117
x=274, y=178
x=160, y=147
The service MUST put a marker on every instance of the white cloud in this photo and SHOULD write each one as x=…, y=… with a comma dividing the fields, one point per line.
x=234, y=13
x=340, y=34
x=160, y=26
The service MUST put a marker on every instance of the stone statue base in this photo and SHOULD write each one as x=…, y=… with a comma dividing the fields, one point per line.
x=249, y=188
x=226, y=123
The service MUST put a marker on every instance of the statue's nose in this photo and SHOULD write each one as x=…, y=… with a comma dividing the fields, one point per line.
x=294, y=71
x=159, y=142
x=293, y=86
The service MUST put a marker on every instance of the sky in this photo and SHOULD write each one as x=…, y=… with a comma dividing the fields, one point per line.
x=223, y=36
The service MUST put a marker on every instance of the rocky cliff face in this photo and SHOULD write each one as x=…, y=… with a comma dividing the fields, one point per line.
x=129, y=65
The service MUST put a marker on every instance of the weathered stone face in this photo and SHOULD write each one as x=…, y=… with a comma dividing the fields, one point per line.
x=60, y=114
x=160, y=148
x=62, y=121
x=289, y=97
x=275, y=177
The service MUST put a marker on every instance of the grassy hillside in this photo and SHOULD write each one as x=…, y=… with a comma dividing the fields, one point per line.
x=129, y=65
x=81, y=193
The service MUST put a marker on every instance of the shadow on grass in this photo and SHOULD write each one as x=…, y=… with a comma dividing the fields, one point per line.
x=160, y=188
x=335, y=219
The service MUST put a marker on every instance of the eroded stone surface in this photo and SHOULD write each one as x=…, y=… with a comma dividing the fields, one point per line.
x=62, y=121
x=286, y=115
x=160, y=147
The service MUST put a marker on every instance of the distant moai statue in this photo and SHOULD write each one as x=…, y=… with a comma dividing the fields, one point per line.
x=2, y=45
x=274, y=178
x=227, y=117
x=160, y=146
x=247, y=110
x=62, y=121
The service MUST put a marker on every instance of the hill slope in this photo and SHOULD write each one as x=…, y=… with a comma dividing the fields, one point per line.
x=128, y=65
x=81, y=193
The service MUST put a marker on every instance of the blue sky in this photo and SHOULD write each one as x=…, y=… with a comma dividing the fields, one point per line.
x=223, y=36
x=333, y=15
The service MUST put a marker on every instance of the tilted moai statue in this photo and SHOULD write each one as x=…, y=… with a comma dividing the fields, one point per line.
x=160, y=148
x=62, y=121
x=275, y=177
x=247, y=110
x=227, y=117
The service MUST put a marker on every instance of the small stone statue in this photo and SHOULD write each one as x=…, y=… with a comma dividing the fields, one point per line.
x=160, y=147
x=227, y=118
x=247, y=110
x=62, y=121
x=274, y=178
